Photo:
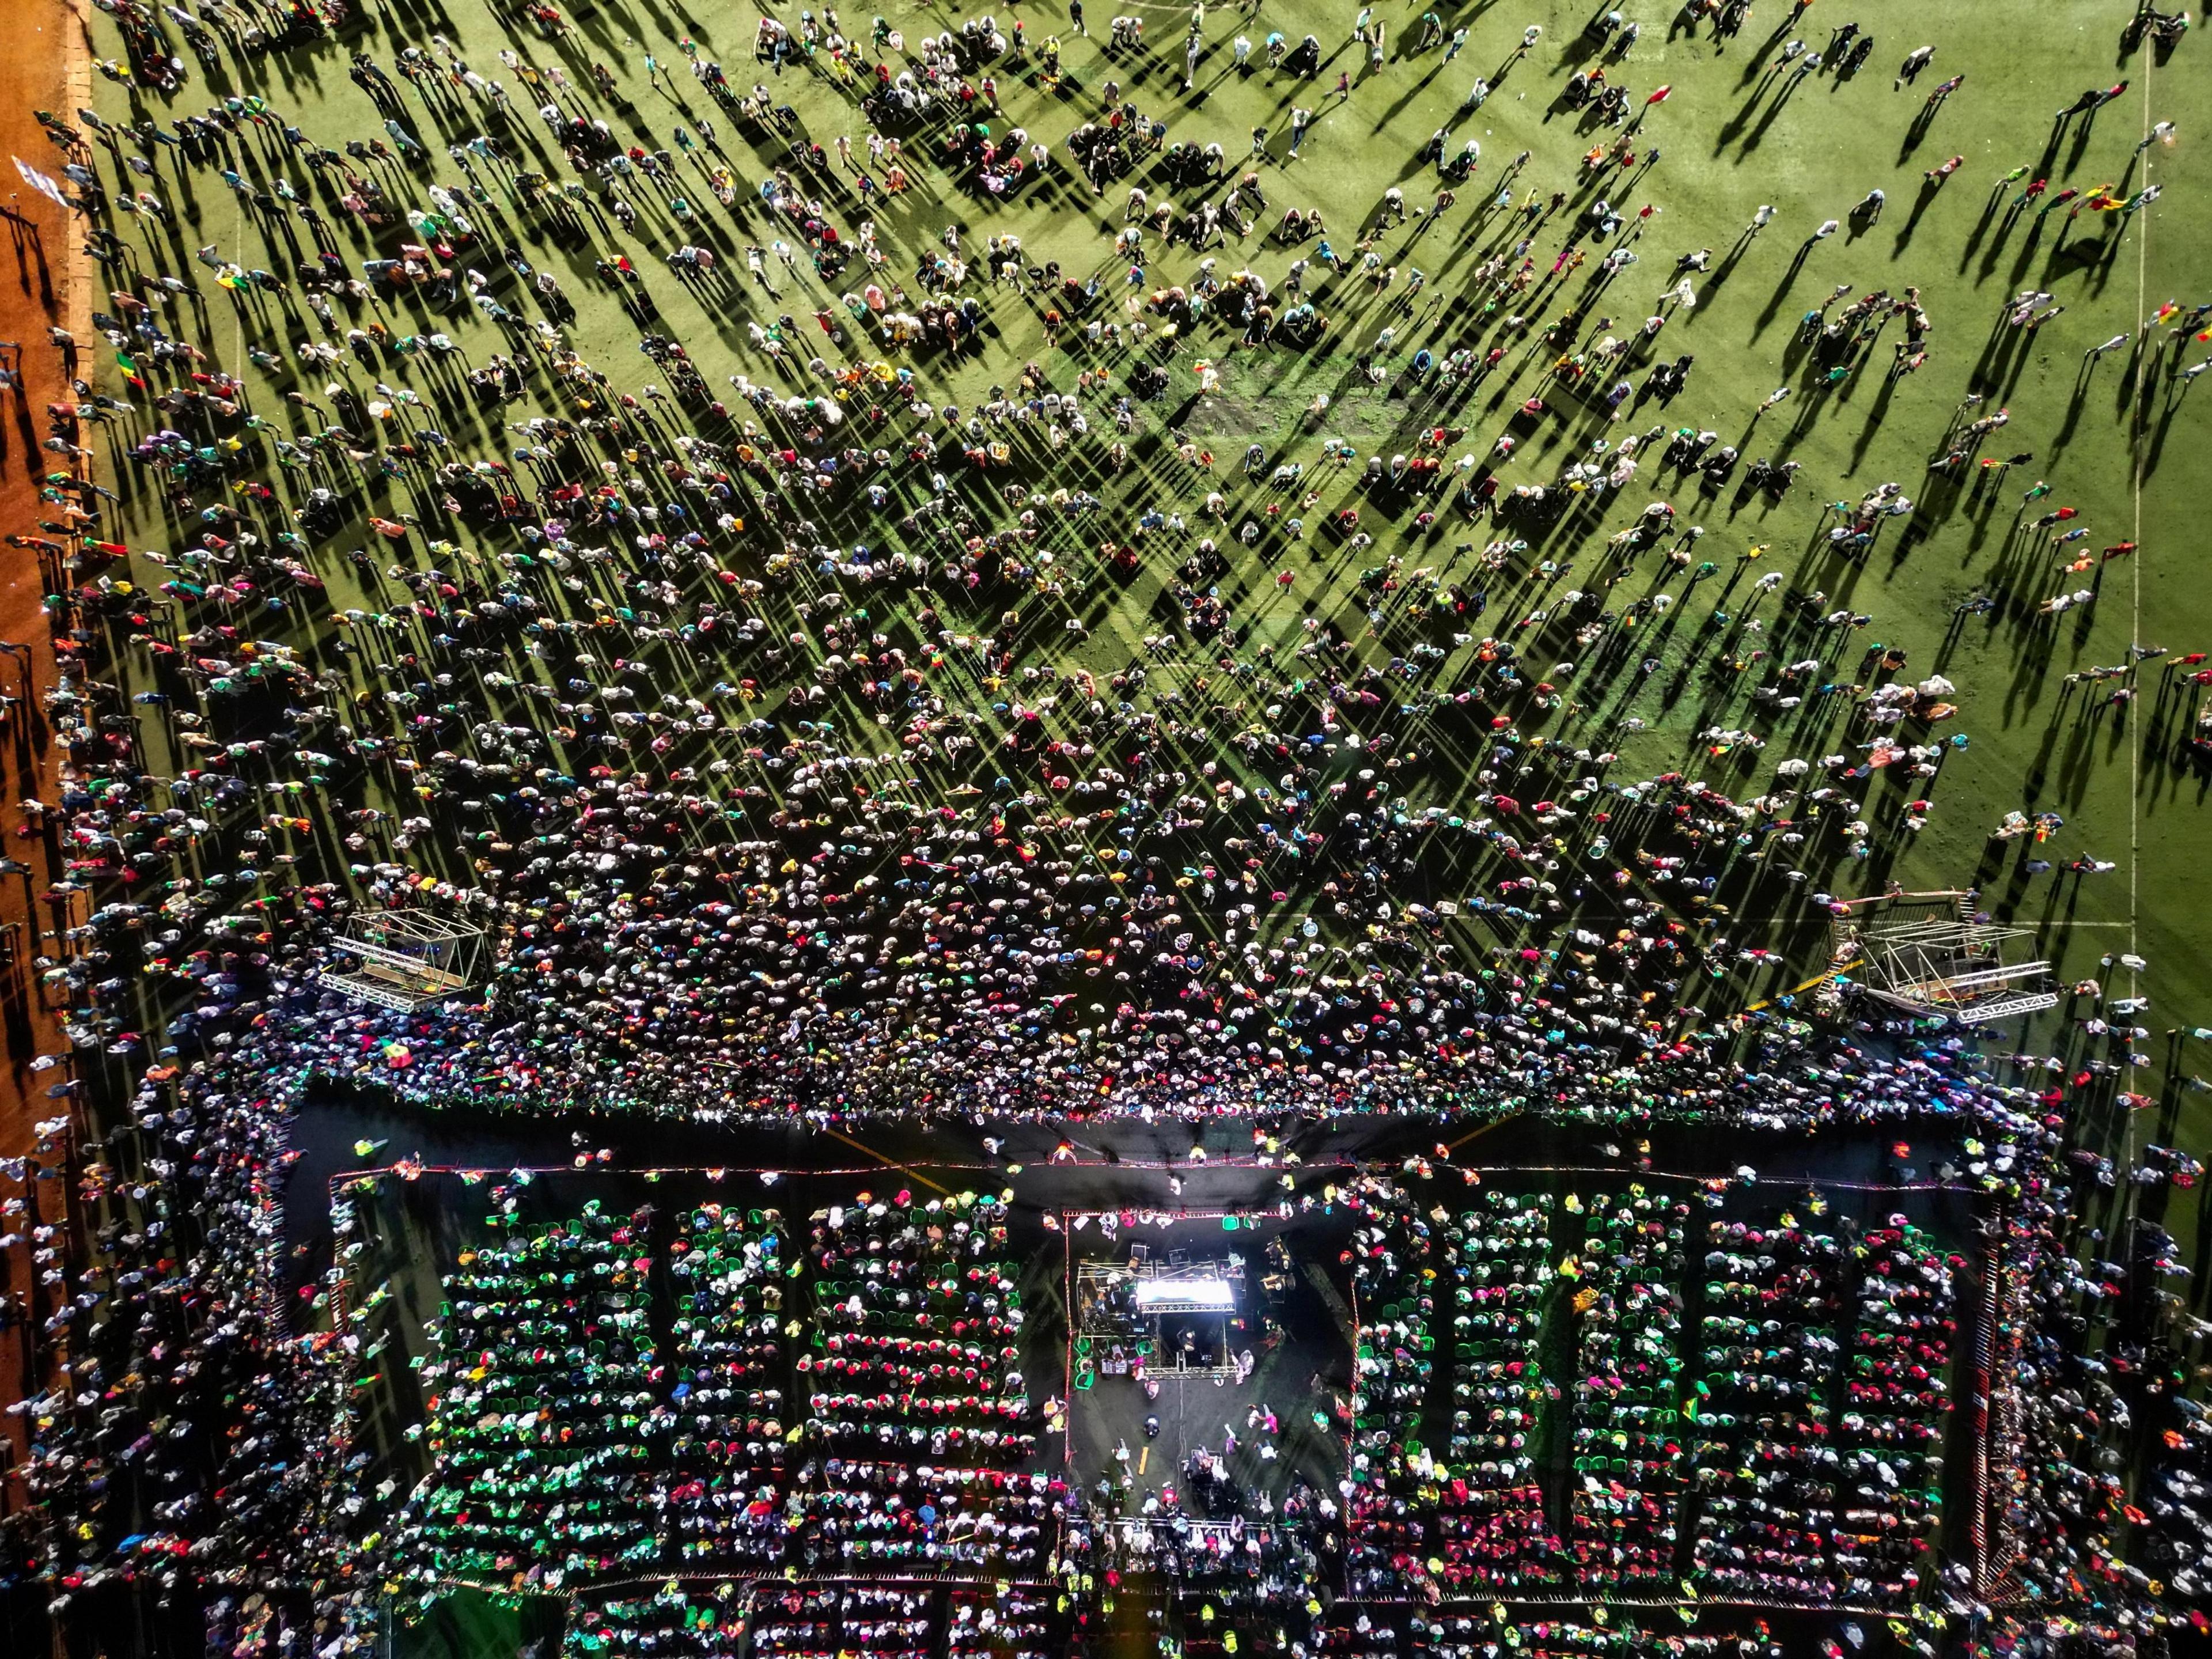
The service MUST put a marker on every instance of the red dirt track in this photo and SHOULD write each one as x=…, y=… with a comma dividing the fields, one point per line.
x=45, y=65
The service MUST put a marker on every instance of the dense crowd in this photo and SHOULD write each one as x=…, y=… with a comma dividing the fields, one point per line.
x=1758, y=1401
x=1782, y=1468
x=1465, y=1635
x=566, y=1447
x=1798, y=1455
x=1485, y=1494
x=756, y=726
x=922, y=1433
x=905, y=1621
x=770, y=731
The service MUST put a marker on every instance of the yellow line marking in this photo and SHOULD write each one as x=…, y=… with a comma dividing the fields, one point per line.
x=1472, y=1134
x=1817, y=978
x=891, y=1164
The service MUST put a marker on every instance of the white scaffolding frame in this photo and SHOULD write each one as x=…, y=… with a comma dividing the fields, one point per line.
x=403, y=959
x=1926, y=954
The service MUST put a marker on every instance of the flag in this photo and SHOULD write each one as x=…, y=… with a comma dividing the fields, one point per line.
x=1659, y=97
x=44, y=182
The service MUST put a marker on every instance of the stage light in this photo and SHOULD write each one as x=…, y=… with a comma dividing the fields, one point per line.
x=1181, y=1295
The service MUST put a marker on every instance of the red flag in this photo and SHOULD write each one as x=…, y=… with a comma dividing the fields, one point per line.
x=1659, y=97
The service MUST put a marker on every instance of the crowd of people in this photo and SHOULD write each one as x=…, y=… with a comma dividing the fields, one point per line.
x=920, y=1432
x=1483, y=1501
x=1627, y=1416
x=1809, y=1490
x=730, y=1356
x=567, y=1447
x=770, y=700
x=899, y=1620
x=811, y=1621
x=1797, y=1454
x=1765, y=1415
x=817, y=633
x=540, y=1410
x=1465, y=1635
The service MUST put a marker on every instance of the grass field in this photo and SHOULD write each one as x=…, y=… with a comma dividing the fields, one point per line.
x=2114, y=435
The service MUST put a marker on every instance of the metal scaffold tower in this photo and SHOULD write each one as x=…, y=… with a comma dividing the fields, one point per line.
x=402, y=959
x=1927, y=954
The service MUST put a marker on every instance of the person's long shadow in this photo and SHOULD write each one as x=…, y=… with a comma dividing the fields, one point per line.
x=30, y=253
x=1773, y=113
x=2174, y=398
x=1736, y=122
x=1182, y=412
x=1782, y=289
x=1981, y=228
x=1413, y=92
x=1917, y=133
x=1735, y=257
x=2026, y=256
x=1874, y=422
x=1766, y=47
x=2082, y=381
x=1930, y=189
x=1997, y=244
x=2081, y=136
